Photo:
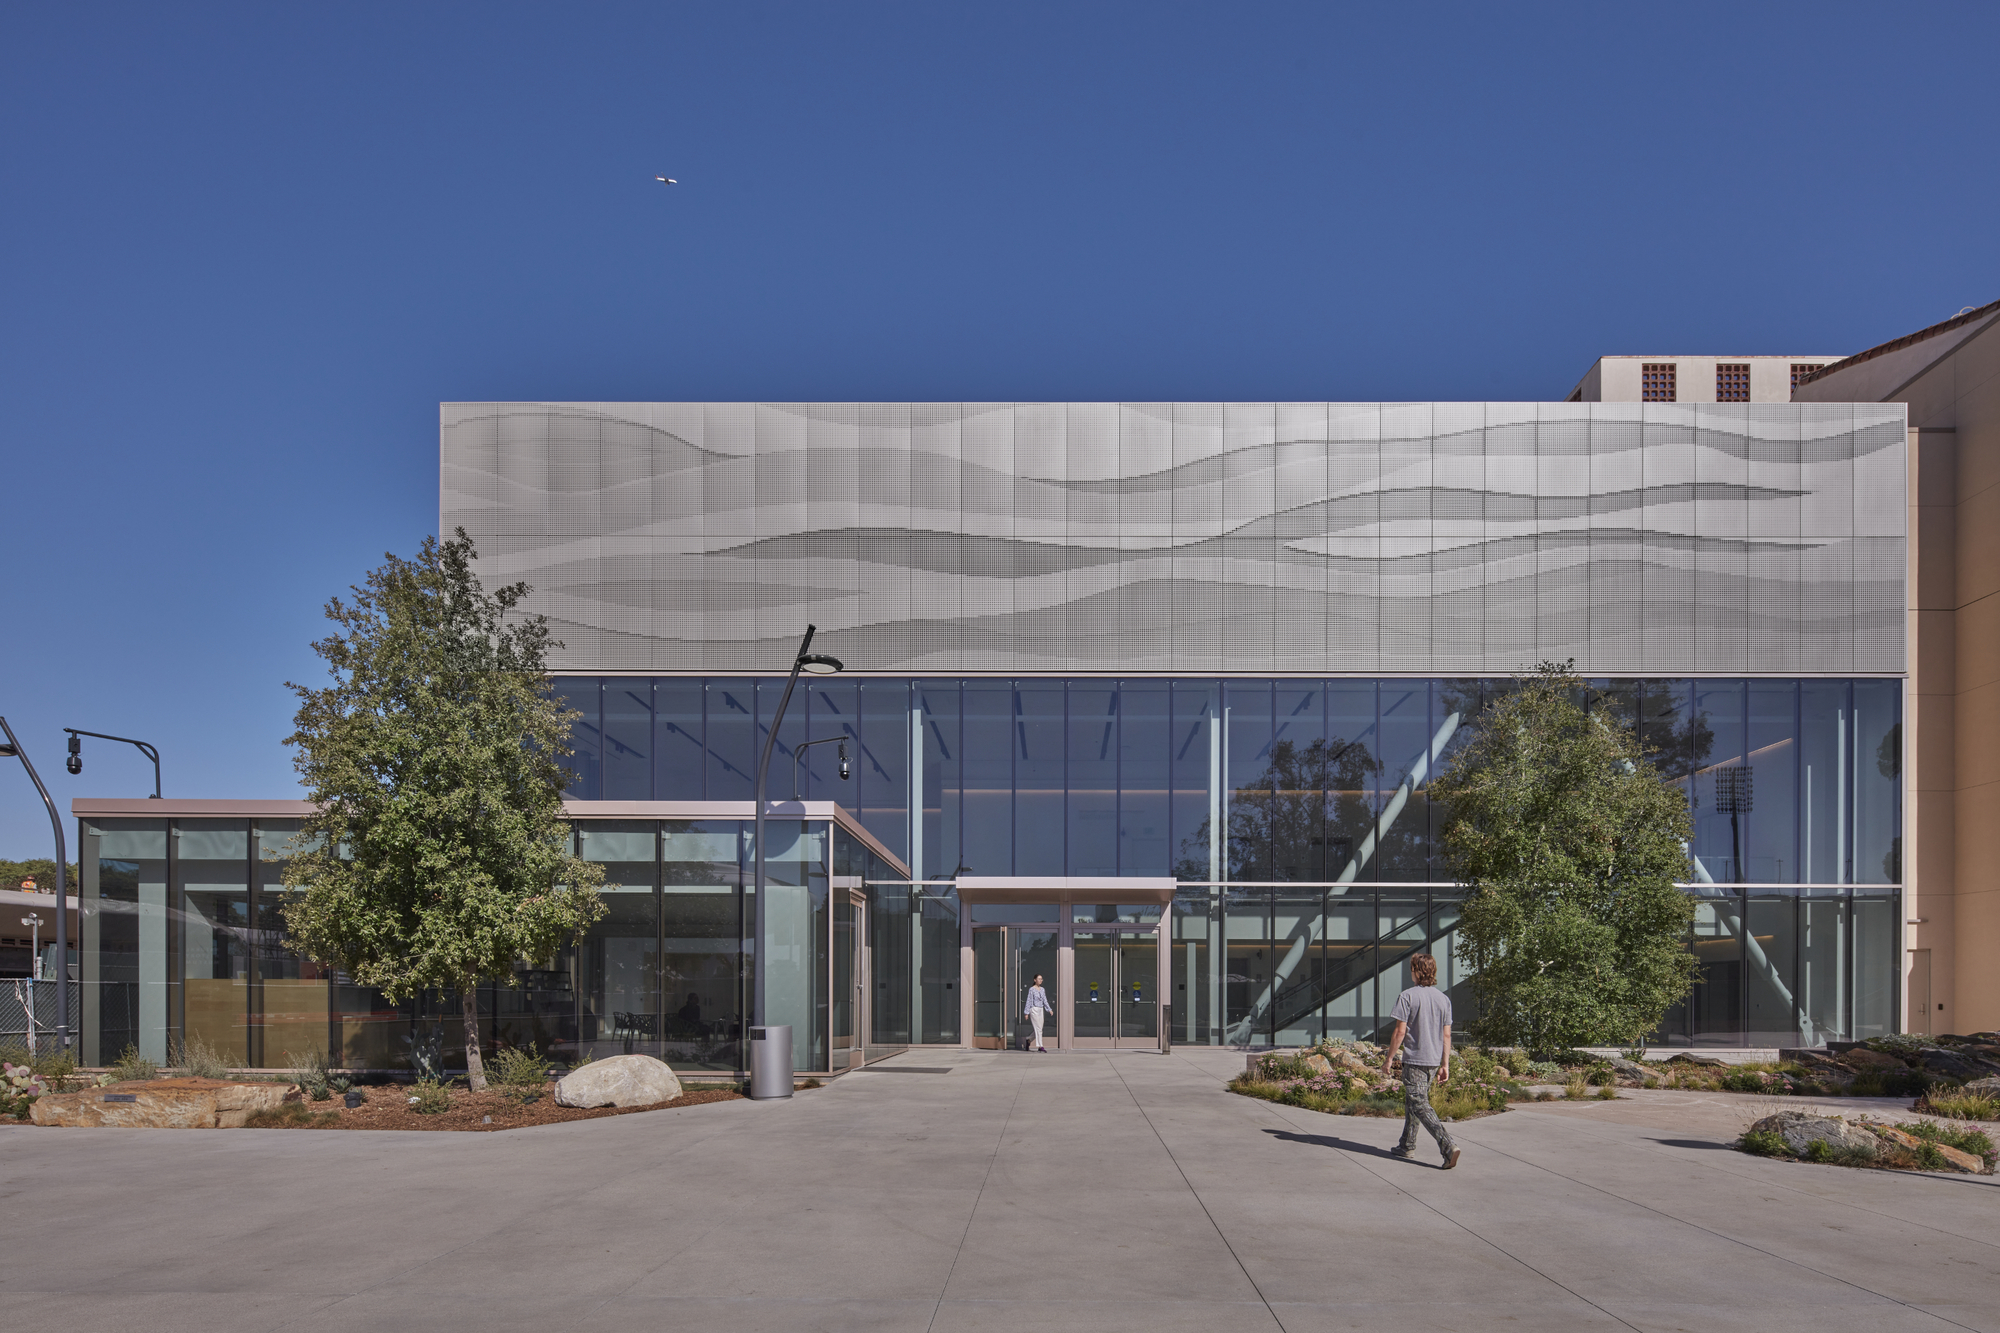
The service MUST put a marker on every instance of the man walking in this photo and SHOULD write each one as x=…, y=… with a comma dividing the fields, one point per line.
x=1423, y=1015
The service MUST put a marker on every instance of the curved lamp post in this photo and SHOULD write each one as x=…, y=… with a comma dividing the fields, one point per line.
x=11, y=749
x=75, y=761
x=816, y=664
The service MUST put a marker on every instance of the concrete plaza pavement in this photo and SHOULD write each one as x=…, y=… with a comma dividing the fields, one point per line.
x=1068, y=1191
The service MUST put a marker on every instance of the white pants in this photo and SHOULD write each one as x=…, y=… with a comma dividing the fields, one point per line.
x=1035, y=1017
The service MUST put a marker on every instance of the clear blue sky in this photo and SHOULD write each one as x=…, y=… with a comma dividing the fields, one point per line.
x=249, y=249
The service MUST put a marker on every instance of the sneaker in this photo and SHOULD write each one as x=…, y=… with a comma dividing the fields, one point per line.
x=1403, y=1153
x=1451, y=1158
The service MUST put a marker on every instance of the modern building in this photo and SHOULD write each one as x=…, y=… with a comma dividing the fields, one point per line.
x=1140, y=697
x=1695, y=379
x=1948, y=378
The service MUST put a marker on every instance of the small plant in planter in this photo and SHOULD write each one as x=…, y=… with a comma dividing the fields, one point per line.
x=20, y=1085
x=309, y=1071
x=520, y=1073
x=430, y=1097
x=131, y=1065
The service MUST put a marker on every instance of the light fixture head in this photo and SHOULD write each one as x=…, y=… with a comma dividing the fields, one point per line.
x=819, y=664
x=75, y=761
x=8, y=750
x=843, y=761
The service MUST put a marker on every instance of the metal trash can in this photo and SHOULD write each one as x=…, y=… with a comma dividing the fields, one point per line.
x=770, y=1062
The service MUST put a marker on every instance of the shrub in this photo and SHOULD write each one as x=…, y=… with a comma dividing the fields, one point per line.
x=196, y=1058
x=1763, y=1143
x=1608, y=1093
x=1892, y=1083
x=131, y=1065
x=1603, y=1076
x=309, y=1071
x=518, y=1072
x=1461, y=1101
x=1478, y=1065
x=1577, y=1088
x=1272, y=1067
x=430, y=1097
x=1955, y=1136
x=1929, y=1158
x=1960, y=1105
x=290, y=1115
x=57, y=1070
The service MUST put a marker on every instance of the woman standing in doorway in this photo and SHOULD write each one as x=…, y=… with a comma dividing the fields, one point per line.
x=1038, y=1008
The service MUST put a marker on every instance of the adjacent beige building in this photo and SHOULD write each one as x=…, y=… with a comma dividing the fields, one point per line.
x=1948, y=375
x=1695, y=379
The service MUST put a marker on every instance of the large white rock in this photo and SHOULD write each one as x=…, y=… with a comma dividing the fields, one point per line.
x=1800, y=1128
x=622, y=1080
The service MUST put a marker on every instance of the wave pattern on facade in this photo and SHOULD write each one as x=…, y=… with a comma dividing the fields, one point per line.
x=1419, y=538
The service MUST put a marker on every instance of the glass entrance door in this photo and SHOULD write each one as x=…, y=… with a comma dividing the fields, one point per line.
x=1138, y=990
x=1005, y=962
x=849, y=982
x=1117, y=982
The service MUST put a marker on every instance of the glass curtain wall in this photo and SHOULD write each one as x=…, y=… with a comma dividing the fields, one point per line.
x=1295, y=813
x=1242, y=781
x=183, y=939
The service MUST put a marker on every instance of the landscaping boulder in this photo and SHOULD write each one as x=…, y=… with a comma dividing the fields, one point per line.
x=1864, y=1059
x=1960, y=1160
x=1896, y=1136
x=1711, y=1061
x=163, y=1103
x=1955, y=1158
x=1319, y=1064
x=1984, y=1087
x=1638, y=1073
x=1799, y=1129
x=1818, y=1061
x=1955, y=1066
x=622, y=1080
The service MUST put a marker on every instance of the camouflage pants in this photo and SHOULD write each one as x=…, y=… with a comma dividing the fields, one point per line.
x=1417, y=1109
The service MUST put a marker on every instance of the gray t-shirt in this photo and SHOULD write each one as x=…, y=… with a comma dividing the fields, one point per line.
x=1428, y=1012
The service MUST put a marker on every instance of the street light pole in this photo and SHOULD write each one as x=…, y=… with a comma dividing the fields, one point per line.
x=819, y=665
x=12, y=750
x=75, y=761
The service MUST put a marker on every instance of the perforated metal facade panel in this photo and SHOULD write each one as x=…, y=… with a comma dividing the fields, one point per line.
x=1397, y=538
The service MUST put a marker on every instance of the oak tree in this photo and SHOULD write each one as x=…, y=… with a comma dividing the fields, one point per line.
x=438, y=856
x=1569, y=841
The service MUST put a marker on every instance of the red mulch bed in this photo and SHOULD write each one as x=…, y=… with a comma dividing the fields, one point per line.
x=389, y=1108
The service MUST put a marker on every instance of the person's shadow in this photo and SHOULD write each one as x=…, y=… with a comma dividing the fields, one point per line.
x=1329, y=1141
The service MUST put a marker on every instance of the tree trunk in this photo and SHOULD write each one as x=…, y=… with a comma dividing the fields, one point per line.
x=468, y=1003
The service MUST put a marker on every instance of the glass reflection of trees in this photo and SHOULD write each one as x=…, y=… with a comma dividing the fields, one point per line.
x=1300, y=821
